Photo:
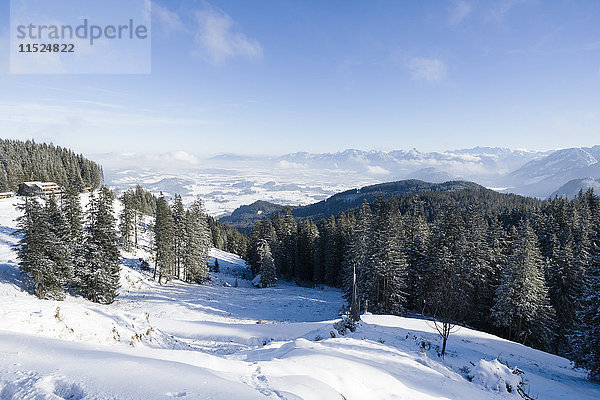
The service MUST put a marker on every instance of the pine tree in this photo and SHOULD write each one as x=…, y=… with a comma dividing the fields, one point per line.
x=355, y=260
x=284, y=251
x=178, y=211
x=563, y=293
x=263, y=229
x=164, y=241
x=522, y=304
x=127, y=220
x=307, y=238
x=71, y=207
x=268, y=272
x=196, y=244
x=331, y=251
x=34, y=250
x=386, y=261
x=60, y=246
x=476, y=267
x=417, y=236
x=586, y=338
x=99, y=266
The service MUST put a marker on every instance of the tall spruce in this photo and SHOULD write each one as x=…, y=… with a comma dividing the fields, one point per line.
x=179, y=234
x=355, y=260
x=522, y=305
x=196, y=244
x=268, y=272
x=98, y=268
x=585, y=339
x=164, y=242
x=127, y=220
x=61, y=246
x=307, y=238
x=416, y=239
x=34, y=250
x=386, y=283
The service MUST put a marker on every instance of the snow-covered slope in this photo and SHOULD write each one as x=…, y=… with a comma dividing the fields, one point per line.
x=542, y=177
x=217, y=341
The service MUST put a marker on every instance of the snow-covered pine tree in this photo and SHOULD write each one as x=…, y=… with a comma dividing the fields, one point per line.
x=268, y=272
x=71, y=207
x=34, y=250
x=445, y=303
x=521, y=304
x=586, y=338
x=263, y=229
x=564, y=286
x=127, y=218
x=476, y=267
x=331, y=251
x=178, y=211
x=164, y=241
x=99, y=266
x=307, y=237
x=446, y=252
x=355, y=260
x=196, y=244
x=284, y=248
x=386, y=280
x=61, y=246
x=417, y=236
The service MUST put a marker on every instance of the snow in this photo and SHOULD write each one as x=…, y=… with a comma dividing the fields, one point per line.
x=217, y=341
x=493, y=375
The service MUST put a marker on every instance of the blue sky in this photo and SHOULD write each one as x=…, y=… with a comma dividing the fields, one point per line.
x=281, y=76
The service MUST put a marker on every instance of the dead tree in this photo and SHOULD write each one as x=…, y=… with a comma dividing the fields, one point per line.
x=445, y=306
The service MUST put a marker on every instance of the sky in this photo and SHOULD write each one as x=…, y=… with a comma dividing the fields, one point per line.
x=280, y=76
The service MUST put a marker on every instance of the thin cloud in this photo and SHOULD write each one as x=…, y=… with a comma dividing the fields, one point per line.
x=504, y=7
x=168, y=20
x=427, y=69
x=460, y=10
x=218, y=39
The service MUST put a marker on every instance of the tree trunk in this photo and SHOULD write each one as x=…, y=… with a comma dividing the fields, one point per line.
x=354, y=308
x=445, y=339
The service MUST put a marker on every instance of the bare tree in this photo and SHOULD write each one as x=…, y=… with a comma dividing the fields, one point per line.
x=444, y=307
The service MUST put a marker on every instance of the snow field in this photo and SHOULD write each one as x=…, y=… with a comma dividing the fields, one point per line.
x=216, y=341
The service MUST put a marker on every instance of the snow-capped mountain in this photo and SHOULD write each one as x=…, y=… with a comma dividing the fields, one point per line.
x=542, y=177
x=227, y=181
x=479, y=163
x=572, y=188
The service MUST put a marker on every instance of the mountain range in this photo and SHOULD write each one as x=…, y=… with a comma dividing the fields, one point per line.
x=228, y=181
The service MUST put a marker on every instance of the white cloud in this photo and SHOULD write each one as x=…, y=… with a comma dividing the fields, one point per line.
x=428, y=69
x=290, y=164
x=377, y=170
x=183, y=156
x=218, y=39
x=167, y=19
x=460, y=10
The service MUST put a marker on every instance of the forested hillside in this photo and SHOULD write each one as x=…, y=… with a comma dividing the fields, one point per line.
x=246, y=216
x=521, y=268
x=29, y=161
x=139, y=201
